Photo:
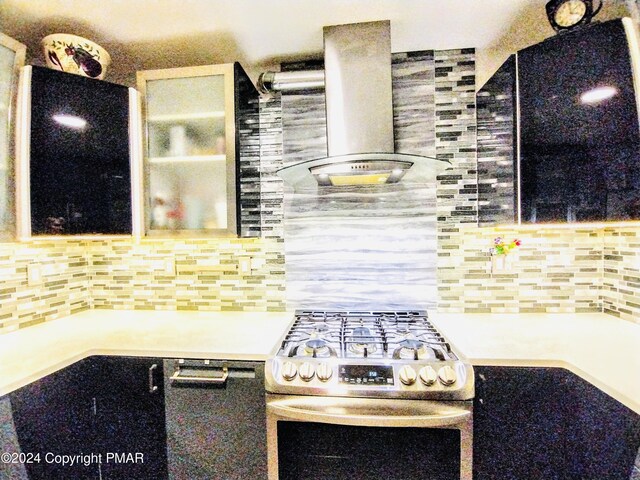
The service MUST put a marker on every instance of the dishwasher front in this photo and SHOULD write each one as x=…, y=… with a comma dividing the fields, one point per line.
x=216, y=419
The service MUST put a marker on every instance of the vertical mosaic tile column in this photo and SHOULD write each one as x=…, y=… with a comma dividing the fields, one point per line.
x=455, y=141
x=455, y=127
x=496, y=147
x=272, y=190
x=248, y=134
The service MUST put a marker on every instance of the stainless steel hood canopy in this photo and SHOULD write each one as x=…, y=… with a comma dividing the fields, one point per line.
x=359, y=107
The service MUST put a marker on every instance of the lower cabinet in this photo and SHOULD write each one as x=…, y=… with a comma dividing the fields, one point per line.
x=116, y=418
x=547, y=423
x=216, y=420
x=100, y=418
x=54, y=421
x=129, y=418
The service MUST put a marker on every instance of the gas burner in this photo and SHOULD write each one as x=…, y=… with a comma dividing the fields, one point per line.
x=363, y=349
x=361, y=341
x=403, y=329
x=319, y=328
x=410, y=349
x=412, y=344
x=316, y=346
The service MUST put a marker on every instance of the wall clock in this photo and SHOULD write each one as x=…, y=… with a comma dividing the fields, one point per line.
x=567, y=14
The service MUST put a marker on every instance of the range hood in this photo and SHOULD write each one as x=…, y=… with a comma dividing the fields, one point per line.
x=359, y=106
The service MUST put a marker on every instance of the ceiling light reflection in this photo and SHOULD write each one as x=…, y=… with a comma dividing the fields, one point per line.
x=598, y=94
x=70, y=121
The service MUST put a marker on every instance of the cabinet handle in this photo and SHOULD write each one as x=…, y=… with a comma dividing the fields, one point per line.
x=177, y=378
x=152, y=388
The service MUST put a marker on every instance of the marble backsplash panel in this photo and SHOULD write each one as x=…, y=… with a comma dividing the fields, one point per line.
x=361, y=249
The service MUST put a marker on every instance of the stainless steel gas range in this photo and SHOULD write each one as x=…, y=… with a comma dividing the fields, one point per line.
x=356, y=371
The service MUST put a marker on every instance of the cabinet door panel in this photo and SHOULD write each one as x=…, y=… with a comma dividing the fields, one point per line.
x=202, y=151
x=191, y=161
x=79, y=163
x=12, y=55
x=130, y=418
x=604, y=437
x=53, y=416
x=218, y=433
x=579, y=158
x=519, y=424
x=547, y=423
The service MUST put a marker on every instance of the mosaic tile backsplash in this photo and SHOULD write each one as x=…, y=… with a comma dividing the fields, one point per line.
x=64, y=287
x=204, y=276
x=621, y=273
x=129, y=274
x=563, y=269
x=554, y=270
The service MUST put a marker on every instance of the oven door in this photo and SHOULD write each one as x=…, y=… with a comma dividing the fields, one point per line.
x=318, y=438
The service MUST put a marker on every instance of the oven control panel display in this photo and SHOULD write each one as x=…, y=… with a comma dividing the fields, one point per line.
x=366, y=374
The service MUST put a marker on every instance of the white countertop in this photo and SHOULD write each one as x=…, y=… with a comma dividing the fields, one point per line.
x=600, y=348
x=29, y=354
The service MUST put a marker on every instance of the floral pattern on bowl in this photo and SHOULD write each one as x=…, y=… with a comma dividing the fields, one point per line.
x=74, y=54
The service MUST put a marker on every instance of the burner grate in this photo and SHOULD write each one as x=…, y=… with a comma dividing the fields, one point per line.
x=366, y=335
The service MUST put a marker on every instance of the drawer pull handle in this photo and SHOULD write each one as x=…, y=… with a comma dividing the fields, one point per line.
x=152, y=387
x=177, y=378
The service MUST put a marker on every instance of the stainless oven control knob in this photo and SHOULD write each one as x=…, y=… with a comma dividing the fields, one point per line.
x=447, y=375
x=289, y=371
x=407, y=375
x=428, y=375
x=324, y=372
x=307, y=371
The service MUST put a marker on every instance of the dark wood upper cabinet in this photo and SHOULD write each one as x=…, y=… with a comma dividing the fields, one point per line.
x=79, y=163
x=558, y=132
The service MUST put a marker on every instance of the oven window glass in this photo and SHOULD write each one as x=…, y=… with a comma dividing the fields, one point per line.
x=313, y=451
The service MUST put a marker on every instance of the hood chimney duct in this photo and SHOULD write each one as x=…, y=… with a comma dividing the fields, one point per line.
x=357, y=62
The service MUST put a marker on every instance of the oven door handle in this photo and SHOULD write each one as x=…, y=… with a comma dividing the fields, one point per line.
x=370, y=412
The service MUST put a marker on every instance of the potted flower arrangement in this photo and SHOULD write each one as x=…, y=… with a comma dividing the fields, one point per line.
x=500, y=253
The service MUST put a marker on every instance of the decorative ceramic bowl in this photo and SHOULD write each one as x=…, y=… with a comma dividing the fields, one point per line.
x=74, y=54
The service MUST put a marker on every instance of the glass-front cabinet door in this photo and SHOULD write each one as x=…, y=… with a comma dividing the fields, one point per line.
x=191, y=166
x=12, y=55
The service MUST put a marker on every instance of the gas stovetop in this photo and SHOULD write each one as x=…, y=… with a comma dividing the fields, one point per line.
x=368, y=354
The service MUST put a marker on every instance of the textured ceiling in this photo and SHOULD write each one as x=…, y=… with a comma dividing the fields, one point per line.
x=143, y=34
